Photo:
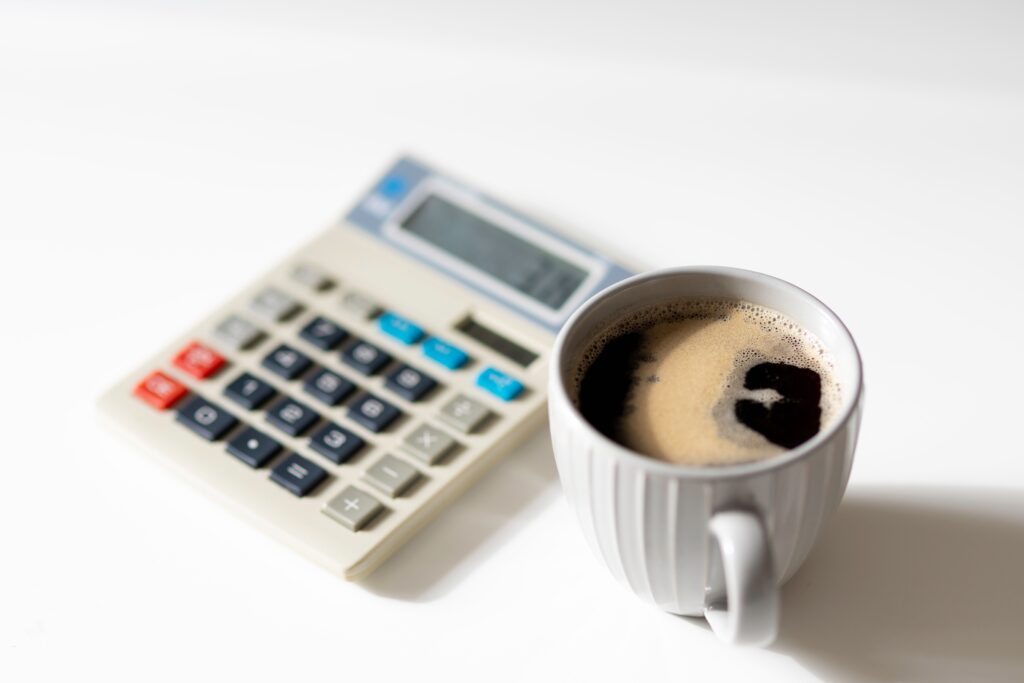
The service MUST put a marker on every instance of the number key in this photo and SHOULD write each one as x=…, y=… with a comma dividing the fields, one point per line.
x=291, y=417
x=335, y=443
x=286, y=362
x=373, y=413
x=365, y=357
x=249, y=392
x=205, y=419
x=328, y=387
x=323, y=333
x=410, y=383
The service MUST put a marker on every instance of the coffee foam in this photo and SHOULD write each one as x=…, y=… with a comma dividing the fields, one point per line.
x=688, y=372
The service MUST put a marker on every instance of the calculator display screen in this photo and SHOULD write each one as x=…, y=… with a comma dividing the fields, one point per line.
x=498, y=253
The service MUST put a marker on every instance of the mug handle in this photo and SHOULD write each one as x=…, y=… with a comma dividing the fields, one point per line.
x=747, y=611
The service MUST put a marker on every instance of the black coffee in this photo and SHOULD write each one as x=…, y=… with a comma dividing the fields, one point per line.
x=707, y=382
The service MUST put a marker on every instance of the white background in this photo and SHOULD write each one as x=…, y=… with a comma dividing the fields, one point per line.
x=154, y=157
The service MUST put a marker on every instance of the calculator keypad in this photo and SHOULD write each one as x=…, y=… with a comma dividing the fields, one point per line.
x=332, y=381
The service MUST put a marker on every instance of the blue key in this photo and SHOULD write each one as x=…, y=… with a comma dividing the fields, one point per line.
x=498, y=383
x=452, y=357
x=401, y=329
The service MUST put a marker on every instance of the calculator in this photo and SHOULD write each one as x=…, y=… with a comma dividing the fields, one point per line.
x=343, y=399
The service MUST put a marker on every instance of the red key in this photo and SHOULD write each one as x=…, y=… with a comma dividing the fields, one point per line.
x=159, y=390
x=198, y=360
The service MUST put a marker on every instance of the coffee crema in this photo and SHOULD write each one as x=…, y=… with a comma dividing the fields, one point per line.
x=706, y=382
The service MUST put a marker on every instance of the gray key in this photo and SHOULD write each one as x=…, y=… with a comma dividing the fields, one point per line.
x=392, y=476
x=312, y=277
x=274, y=305
x=237, y=333
x=352, y=508
x=464, y=413
x=428, y=444
x=360, y=305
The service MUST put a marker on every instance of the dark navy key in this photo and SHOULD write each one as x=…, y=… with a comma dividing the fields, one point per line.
x=291, y=417
x=328, y=387
x=409, y=383
x=249, y=392
x=298, y=475
x=286, y=362
x=205, y=419
x=323, y=333
x=253, y=447
x=373, y=413
x=335, y=443
x=365, y=357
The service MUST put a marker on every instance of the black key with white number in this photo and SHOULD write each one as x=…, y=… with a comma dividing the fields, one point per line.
x=335, y=443
x=323, y=333
x=298, y=475
x=291, y=417
x=206, y=419
x=409, y=383
x=328, y=387
x=249, y=392
x=373, y=413
x=365, y=357
x=253, y=447
x=286, y=362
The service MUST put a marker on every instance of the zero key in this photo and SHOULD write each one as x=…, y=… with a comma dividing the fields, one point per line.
x=205, y=419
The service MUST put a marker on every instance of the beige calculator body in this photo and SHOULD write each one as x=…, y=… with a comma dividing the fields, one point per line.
x=343, y=399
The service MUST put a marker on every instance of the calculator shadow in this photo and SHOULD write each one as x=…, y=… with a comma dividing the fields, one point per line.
x=494, y=509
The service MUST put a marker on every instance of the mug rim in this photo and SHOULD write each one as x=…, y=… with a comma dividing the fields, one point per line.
x=753, y=467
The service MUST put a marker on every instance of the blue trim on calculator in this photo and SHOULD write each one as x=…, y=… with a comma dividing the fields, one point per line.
x=372, y=211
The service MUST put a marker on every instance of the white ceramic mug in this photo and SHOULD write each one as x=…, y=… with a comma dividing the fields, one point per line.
x=717, y=540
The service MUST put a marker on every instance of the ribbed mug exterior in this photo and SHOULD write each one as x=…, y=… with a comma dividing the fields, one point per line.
x=648, y=520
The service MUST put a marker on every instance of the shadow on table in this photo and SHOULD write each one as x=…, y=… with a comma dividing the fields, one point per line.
x=913, y=584
x=491, y=512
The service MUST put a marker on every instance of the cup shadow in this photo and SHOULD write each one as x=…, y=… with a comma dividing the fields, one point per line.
x=494, y=509
x=913, y=584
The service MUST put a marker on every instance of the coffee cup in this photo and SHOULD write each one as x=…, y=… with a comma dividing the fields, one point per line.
x=719, y=540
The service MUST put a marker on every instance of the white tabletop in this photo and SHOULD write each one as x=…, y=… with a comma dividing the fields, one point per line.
x=154, y=157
